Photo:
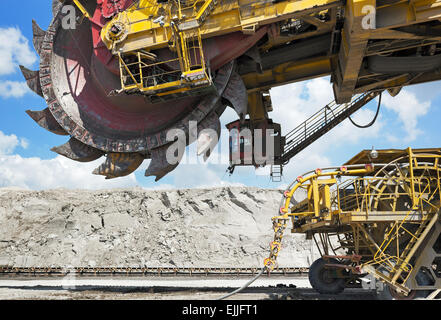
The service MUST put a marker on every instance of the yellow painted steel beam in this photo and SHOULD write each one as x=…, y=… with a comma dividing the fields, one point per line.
x=288, y=72
x=406, y=13
x=256, y=108
x=82, y=9
x=355, y=37
x=144, y=28
x=379, y=216
x=357, y=32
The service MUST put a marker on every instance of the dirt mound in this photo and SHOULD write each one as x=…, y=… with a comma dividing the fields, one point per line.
x=222, y=227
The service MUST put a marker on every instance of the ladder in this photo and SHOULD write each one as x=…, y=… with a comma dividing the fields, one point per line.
x=390, y=268
x=276, y=172
x=414, y=243
x=321, y=122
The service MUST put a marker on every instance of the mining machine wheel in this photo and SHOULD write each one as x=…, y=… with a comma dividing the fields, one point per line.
x=326, y=280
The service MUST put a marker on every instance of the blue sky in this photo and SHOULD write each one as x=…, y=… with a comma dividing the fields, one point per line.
x=410, y=119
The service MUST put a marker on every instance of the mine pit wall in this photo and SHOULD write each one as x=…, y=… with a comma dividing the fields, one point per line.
x=221, y=227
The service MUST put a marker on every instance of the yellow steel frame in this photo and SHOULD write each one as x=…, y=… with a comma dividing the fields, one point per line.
x=149, y=25
x=228, y=16
x=188, y=45
x=191, y=74
x=82, y=9
x=404, y=202
x=141, y=32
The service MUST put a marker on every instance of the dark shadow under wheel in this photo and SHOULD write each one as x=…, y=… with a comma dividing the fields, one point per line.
x=389, y=293
x=325, y=280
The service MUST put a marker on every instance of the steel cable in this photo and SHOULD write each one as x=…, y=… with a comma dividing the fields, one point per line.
x=373, y=120
x=246, y=285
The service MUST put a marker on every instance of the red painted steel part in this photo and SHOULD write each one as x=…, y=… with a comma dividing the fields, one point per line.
x=78, y=73
x=84, y=72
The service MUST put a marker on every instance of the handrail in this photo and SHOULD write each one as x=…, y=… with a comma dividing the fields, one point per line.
x=322, y=121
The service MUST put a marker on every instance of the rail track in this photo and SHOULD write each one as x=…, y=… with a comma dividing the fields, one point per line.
x=7, y=271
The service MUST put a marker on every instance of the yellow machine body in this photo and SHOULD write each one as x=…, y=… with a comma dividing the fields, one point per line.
x=382, y=210
x=148, y=25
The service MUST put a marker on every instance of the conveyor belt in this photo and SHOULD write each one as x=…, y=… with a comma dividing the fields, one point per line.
x=138, y=271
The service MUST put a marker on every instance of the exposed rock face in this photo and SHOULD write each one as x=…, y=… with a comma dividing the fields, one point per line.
x=223, y=227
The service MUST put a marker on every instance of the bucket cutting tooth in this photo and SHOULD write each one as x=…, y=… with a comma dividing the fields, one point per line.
x=236, y=94
x=78, y=151
x=46, y=120
x=160, y=166
x=38, y=36
x=32, y=80
x=208, y=139
x=119, y=165
x=56, y=4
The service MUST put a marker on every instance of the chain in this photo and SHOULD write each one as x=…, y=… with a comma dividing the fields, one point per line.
x=279, y=226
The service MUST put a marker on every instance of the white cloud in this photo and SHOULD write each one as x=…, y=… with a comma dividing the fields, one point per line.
x=13, y=89
x=409, y=109
x=294, y=103
x=24, y=143
x=60, y=172
x=14, y=50
x=200, y=175
x=346, y=132
x=8, y=143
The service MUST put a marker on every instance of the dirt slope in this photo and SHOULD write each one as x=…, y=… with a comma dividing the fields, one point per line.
x=134, y=227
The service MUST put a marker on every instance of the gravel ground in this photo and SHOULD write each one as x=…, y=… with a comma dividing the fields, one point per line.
x=294, y=288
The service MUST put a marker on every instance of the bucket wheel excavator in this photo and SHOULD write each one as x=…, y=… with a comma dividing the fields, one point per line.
x=118, y=75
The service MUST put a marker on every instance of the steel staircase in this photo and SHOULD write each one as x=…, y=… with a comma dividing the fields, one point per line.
x=320, y=123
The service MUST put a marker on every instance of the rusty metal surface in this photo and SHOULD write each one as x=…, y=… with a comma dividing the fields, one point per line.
x=75, y=150
x=117, y=137
x=131, y=132
x=236, y=94
x=72, y=98
x=77, y=74
x=38, y=36
x=110, y=8
x=119, y=165
x=46, y=120
x=56, y=5
x=160, y=166
x=32, y=80
x=205, y=107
